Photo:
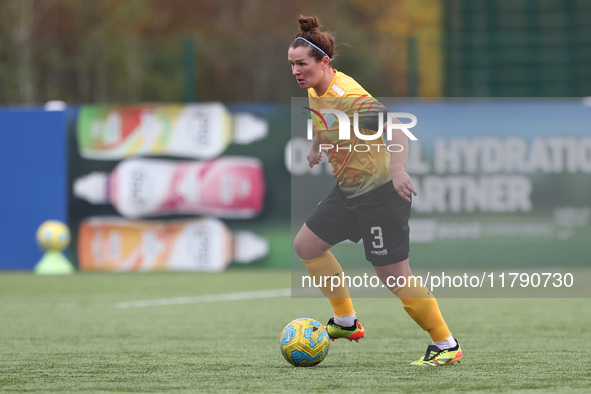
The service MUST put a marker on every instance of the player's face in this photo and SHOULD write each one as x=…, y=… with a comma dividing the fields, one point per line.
x=306, y=69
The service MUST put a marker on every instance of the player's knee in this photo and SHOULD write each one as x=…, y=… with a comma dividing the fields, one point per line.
x=304, y=248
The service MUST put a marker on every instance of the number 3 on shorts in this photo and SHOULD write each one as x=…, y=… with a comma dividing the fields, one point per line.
x=377, y=234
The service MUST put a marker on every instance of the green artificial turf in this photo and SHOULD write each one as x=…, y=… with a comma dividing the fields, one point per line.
x=71, y=334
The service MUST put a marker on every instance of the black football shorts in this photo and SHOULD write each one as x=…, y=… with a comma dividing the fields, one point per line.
x=379, y=217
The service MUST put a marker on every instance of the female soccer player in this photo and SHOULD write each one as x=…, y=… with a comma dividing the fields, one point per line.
x=371, y=200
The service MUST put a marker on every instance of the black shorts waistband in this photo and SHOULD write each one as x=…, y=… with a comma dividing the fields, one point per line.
x=378, y=189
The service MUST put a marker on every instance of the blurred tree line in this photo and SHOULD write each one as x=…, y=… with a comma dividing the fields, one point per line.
x=97, y=51
x=517, y=48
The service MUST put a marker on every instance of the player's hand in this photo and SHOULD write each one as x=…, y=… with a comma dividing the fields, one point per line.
x=403, y=184
x=314, y=157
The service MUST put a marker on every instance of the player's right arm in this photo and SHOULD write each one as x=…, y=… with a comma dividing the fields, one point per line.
x=315, y=155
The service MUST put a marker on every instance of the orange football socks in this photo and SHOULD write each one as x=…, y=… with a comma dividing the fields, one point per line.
x=323, y=269
x=422, y=306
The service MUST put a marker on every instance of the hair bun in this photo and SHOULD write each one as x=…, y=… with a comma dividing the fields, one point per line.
x=308, y=23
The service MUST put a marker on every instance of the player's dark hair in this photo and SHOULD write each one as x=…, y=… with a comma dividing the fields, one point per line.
x=309, y=30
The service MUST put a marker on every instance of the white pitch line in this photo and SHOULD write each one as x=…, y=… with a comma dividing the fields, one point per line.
x=245, y=295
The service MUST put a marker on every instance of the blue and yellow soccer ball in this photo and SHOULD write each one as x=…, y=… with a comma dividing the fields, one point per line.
x=304, y=342
x=53, y=235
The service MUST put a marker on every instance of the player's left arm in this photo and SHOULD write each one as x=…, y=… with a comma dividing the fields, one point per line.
x=400, y=178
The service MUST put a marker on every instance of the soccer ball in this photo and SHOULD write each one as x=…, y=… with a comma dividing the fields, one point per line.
x=53, y=235
x=304, y=342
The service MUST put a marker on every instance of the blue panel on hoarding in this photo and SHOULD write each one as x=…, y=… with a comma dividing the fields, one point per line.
x=33, y=181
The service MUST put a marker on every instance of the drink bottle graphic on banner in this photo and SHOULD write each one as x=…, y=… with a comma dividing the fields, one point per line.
x=196, y=131
x=227, y=187
x=203, y=244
